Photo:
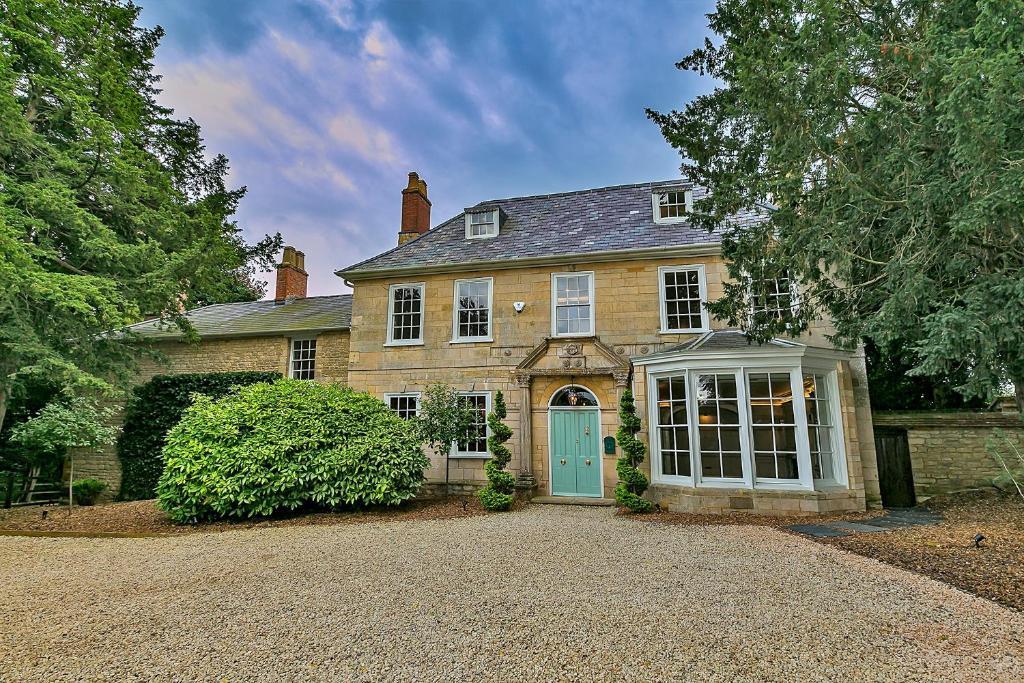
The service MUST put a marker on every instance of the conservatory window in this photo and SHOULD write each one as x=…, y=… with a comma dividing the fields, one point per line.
x=820, y=430
x=773, y=426
x=673, y=427
x=719, y=429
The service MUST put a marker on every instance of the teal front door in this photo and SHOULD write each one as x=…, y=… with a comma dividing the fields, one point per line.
x=575, y=453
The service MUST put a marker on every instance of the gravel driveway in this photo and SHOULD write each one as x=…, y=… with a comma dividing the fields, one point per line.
x=549, y=593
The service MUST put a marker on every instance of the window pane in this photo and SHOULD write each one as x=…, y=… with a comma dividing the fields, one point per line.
x=773, y=428
x=406, y=312
x=682, y=303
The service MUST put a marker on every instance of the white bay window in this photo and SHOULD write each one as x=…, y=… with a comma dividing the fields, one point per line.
x=766, y=419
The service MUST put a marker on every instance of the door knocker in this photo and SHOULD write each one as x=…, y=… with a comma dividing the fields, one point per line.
x=586, y=430
x=587, y=461
x=562, y=461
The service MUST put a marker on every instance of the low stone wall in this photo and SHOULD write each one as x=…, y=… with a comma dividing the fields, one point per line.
x=947, y=450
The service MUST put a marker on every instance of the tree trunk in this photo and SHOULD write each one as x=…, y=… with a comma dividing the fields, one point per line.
x=3, y=405
x=1018, y=393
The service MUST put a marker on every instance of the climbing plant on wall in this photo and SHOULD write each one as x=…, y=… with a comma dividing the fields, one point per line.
x=632, y=482
x=498, y=494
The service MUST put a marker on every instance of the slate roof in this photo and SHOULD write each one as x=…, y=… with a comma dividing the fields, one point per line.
x=605, y=219
x=259, y=318
x=726, y=340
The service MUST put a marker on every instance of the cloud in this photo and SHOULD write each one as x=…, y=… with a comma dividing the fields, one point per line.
x=293, y=51
x=317, y=171
x=341, y=12
x=372, y=142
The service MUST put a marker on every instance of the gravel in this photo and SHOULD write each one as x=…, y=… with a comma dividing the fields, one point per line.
x=546, y=593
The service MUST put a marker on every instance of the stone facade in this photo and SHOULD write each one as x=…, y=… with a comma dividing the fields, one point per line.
x=247, y=354
x=627, y=324
x=947, y=450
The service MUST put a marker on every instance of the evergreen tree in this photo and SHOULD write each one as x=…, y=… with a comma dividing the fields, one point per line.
x=632, y=482
x=501, y=486
x=109, y=207
x=887, y=137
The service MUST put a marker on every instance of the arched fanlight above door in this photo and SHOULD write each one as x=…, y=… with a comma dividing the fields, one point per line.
x=573, y=396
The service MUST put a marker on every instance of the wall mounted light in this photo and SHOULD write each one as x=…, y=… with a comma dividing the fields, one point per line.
x=519, y=306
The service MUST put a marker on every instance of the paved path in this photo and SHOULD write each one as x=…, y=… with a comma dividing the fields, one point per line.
x=895, y=518
x=550, y=593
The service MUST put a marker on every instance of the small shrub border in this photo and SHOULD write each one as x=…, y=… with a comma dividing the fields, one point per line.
x=153, y=409
x=632, y=482
x=501, y=485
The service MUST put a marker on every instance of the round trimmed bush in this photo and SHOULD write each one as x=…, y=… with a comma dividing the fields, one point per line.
x=271, y=447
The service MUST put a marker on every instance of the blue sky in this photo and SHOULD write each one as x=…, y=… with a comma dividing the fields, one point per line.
x=324, y=106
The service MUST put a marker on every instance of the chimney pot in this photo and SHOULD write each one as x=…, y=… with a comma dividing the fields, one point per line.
x=415, y=209
x=291, y=275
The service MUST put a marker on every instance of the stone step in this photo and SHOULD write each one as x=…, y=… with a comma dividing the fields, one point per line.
x=573, y=500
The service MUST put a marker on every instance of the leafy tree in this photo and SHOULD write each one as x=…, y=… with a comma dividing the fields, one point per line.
x=444, y=416
x=632, y=482
x=65, y=424
x=501, y=485
x=894, y=388
x=889, y=137
x=110, y=208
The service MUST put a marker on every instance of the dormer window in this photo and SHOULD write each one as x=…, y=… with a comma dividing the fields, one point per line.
x=482, y=224
x=672, y=205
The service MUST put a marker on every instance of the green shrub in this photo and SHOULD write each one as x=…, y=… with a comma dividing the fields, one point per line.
x=632, y=482
x=501, y=485
x=86, y=491
x=153, y=409
x=281, y=446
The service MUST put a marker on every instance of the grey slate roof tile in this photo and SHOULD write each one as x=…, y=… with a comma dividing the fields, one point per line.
x=598, y=220
x=259, y=318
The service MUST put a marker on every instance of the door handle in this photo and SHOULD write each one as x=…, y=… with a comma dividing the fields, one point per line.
x=562, y=461
x=587, y=461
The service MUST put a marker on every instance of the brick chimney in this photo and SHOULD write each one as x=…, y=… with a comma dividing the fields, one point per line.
x=291, y=276
x=415, y=210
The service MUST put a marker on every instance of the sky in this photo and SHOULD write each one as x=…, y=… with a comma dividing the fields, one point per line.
x=324, y=106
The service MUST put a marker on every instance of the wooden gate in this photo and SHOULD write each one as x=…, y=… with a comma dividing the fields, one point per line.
x=895, y=476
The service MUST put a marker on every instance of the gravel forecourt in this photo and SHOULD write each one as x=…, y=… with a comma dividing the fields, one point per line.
x=545, y=593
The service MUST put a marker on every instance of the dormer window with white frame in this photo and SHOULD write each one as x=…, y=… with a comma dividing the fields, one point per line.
x=482, y=224
x=671, y=204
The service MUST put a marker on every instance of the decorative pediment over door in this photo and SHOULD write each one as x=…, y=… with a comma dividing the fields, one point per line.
x=579, y=356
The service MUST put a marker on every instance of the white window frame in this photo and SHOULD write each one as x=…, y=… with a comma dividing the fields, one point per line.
x=554, y=305
x=490, y=234
x=744, y=480
x=687, y=198
x=803, y=450
x=655, y=434
x=489, y=337
x=705, y=324
x=794, y=295
x=474, y=455
x=796, y=366
x=838, y=431
x=391, y=341
x=291, y=358
x=403, y=394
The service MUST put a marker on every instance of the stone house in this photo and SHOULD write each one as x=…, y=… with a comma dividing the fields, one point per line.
x=561, y=302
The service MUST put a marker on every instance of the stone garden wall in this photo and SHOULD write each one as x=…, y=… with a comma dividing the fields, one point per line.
x=947, y=450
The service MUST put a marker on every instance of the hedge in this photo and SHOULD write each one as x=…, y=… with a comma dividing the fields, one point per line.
x=153, y=409
x=276, y=447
